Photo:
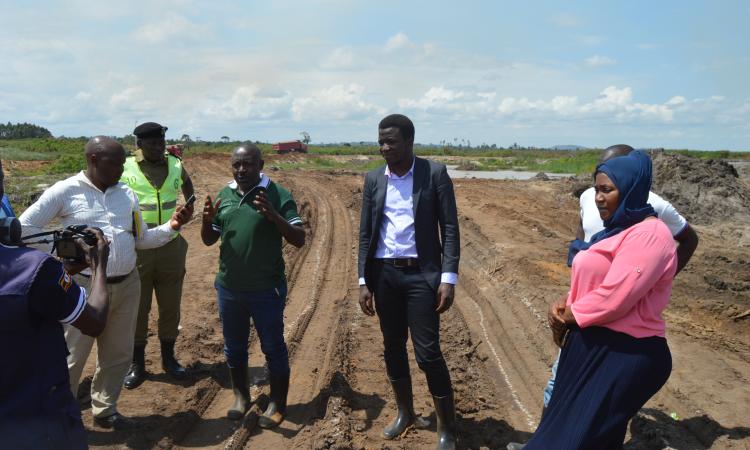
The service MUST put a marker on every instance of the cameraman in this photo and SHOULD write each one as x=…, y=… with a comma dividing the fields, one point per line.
x=38, y=297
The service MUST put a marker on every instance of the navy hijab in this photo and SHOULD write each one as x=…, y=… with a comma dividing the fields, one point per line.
x=632, y=176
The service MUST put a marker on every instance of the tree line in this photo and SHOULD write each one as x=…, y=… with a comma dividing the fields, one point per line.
x=22, y=131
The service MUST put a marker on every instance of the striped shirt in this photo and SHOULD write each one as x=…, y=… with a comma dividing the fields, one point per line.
x=76, y=200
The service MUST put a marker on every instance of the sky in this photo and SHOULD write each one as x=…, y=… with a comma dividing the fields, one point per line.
x=673, y=74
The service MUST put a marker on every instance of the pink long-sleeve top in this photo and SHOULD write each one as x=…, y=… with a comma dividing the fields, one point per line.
x=624, y=282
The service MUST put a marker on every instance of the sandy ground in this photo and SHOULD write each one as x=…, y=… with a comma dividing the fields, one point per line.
x=514, y=236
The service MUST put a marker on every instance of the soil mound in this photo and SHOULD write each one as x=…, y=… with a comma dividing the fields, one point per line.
x=704, y=191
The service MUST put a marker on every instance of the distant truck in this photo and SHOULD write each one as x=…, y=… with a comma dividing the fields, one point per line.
x=176, y=150
x=290, y=146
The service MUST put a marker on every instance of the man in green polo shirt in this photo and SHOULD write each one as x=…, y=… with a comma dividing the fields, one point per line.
x=157, y=179
x=251, y=216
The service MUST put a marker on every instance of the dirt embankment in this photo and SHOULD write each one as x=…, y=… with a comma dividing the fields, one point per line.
x=704, y=191
x=514, y=239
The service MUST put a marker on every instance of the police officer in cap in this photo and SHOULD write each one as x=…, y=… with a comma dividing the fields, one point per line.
x=37, y=297
x=157, y=178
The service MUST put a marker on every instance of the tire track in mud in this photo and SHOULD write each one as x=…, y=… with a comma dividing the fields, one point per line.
x=502, y=324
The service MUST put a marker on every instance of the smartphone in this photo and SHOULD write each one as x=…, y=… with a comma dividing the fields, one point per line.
x=190, y=200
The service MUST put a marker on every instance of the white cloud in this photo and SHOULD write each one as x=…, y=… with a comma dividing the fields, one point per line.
x=612, y=105
x=251, y=102
x=599, y=61
x=676, y=101
x=435, y=97
x=397, y=41
x=338, y=102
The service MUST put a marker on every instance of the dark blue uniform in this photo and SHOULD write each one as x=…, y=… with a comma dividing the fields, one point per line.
x=37, y=408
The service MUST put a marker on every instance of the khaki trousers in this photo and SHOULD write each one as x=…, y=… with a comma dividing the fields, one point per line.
x=114, y=346
x=162, y=271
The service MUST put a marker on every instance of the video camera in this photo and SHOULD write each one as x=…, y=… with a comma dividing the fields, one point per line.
x=63, y=240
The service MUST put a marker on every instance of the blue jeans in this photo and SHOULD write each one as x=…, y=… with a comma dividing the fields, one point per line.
x=266, y=308
x=551, y=383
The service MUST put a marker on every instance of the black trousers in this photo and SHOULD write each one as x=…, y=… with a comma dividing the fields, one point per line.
x=405, y=304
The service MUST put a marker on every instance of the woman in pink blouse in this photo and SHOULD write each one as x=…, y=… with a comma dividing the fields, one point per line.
x=614, y=354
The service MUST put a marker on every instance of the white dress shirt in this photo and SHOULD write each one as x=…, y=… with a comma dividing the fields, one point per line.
x=76, y=200
x=397, y=238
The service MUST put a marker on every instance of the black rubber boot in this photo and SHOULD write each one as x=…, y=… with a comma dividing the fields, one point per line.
x=276, y=410
x=169, y=363
x=446, y=422
x=405, y=417
x=137, y=373
x=241, y=393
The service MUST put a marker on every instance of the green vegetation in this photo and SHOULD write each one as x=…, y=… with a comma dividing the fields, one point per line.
x=66, y=156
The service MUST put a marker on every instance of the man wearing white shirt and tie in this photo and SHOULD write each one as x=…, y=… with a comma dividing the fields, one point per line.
x=95, y=197
x=408, y=267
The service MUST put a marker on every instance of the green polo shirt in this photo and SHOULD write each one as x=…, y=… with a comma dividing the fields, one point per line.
x=250, y=257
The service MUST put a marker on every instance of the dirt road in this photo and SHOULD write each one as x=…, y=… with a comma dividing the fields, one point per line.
x=514, y=236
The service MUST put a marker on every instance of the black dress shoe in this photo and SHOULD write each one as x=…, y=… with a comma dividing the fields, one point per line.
x=116, y=421
x=135, y=376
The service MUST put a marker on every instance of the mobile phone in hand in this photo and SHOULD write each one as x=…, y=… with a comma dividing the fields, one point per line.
x=190, y=200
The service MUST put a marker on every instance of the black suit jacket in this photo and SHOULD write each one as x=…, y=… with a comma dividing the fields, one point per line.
x=435, y=220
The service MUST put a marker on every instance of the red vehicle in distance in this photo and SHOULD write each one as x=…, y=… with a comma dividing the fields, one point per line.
x=176, y=150
x=290, y=146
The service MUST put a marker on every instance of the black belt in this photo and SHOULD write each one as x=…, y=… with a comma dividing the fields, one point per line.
x=400, y=262
x=111, y=280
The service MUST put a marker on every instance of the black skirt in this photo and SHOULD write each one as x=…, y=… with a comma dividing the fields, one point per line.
x=603, y=379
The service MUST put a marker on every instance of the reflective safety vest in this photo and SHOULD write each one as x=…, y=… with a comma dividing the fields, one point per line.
x=157, y=205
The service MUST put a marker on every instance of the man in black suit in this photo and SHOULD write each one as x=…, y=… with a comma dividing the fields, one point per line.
x=408, y=258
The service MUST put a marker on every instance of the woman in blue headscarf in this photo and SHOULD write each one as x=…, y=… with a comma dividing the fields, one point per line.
x=614, y=353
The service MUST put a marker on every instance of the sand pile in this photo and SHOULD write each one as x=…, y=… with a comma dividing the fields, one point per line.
x=704, y=191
